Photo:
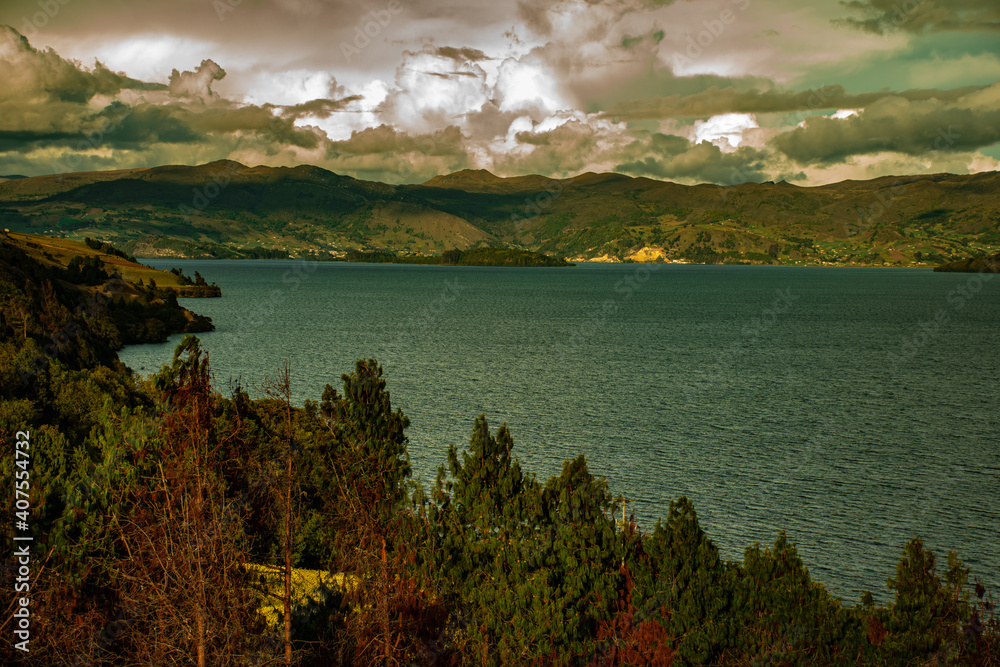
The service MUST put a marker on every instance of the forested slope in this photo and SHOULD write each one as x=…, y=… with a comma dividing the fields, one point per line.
x=154, y=503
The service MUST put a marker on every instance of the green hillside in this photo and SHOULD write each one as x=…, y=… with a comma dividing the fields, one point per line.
x=225, y=209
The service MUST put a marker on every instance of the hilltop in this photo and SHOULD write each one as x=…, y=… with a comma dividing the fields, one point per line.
x=226, y=209
x=60, y=253
x=138, y=302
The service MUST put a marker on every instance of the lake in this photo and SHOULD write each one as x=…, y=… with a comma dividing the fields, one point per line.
x=854, y=408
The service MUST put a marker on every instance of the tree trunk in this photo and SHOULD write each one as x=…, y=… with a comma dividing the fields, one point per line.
x=288, y=564
x=384, y=603
x=287, y=389
x=200, y=623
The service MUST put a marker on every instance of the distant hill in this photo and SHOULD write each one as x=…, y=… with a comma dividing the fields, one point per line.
x=474, y=257
x=226, y=209
x=480, y=180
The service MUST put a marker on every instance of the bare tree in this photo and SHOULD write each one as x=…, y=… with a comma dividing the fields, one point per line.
x=183, y=567
x=280, y=389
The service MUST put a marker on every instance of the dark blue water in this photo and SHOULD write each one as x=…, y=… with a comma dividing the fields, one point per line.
x=854, y=408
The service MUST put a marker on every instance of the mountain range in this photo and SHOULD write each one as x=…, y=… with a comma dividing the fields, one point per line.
x=226, y=209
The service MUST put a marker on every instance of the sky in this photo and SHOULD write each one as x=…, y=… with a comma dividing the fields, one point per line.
x=691, y=91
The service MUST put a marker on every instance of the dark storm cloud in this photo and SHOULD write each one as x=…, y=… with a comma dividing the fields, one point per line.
x=515, y=86
x=29, y=74
x=714, y=101
x=899, y=125
x=117, y=126
x=223, y=120
x=451, y=75
x=144, y=125
x=385, y=154
x=675, y=158
x=461, y=55
x=385, y=140
x=18, y=140
x=147, y=124
x=53, y=105
x=881, y=17
x=320, y=108
x=564, y=150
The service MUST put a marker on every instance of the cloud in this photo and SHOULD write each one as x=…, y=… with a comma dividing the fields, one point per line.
x=385, y=140
x=42, y=76
x=882, y=17
x=319, y=108
x=382, y=153
x=66, y=116
x=675, y=158
x=555, y=87
x=715, y=101
x=197, y=84
x=434, y=90
x=897, y=124
x=725, y=130
x=461, y=55
x=569, y=148
x=243, y=120
x=526, y=84
x=535, y=16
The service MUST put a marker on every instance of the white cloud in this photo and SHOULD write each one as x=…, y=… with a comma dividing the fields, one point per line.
x=432, y=91
x=364, y=115
x=290, y=87
x=154, y=57
x=522, y=84
x=725, y=131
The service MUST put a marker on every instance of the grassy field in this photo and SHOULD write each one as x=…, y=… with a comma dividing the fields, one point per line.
x=310, y=590
x=59, y=252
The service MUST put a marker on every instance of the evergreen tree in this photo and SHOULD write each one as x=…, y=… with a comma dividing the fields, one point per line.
x=691, y=583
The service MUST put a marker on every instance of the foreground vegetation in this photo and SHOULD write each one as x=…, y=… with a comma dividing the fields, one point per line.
x=173, y=525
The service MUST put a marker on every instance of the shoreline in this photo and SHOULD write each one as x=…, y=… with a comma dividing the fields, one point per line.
x=573, y=262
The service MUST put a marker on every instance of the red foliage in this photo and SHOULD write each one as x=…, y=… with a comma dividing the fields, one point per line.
x=626, y=640
x=876, y=631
